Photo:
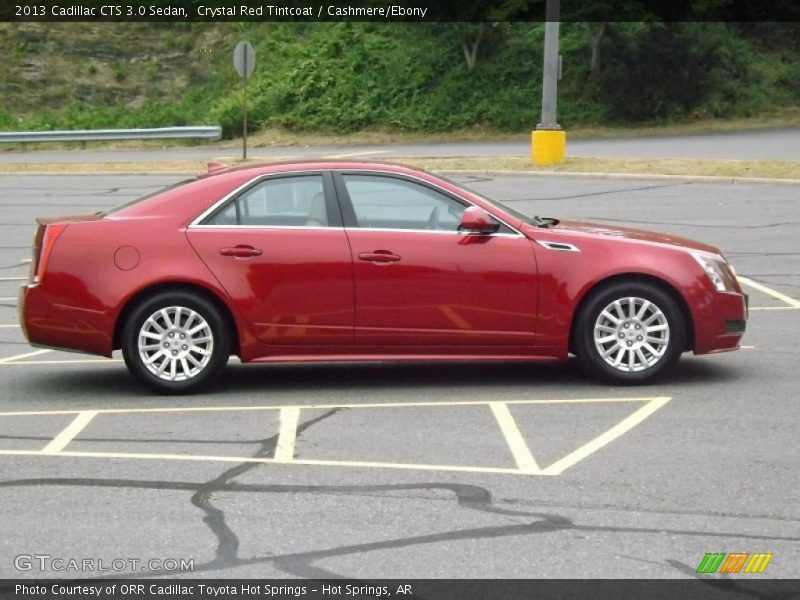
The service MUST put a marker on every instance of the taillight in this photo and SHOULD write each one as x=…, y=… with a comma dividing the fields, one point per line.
x=43, y=242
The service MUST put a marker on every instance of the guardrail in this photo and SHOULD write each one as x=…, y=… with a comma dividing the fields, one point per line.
x=87, y=135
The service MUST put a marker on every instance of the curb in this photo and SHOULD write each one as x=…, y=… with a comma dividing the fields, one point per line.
x=686, y=178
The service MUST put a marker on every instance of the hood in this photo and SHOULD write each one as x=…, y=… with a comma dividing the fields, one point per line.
x=609, y=231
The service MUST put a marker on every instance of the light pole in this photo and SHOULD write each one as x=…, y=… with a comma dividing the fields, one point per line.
x=549, y=141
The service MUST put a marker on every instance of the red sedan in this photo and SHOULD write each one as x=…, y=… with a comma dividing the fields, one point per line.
x=351, y=261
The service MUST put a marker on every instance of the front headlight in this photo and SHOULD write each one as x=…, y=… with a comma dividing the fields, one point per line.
x=718, y=272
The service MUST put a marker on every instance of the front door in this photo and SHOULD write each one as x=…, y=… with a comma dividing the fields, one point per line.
x=419, y=282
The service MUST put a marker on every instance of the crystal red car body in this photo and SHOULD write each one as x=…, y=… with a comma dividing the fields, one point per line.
x=347, y=292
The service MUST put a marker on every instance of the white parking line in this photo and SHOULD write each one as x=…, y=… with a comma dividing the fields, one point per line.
x=5, y=361
x=775, y=294
x=752, y=308
x=69, y=432
x=13, y=279
x=9, y=299
x=9, y=325
x=284, y=449
x=514, y=439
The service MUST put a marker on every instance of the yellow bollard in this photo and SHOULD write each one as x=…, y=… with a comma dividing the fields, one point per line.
x=548, y=146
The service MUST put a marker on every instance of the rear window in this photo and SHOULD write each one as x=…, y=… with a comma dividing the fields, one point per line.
x=129, y=203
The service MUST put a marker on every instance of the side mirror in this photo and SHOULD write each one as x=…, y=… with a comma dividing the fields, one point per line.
x=475, y=220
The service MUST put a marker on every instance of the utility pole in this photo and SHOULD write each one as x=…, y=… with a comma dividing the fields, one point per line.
x=548, y=141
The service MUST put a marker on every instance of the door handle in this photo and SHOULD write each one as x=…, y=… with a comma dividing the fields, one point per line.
x=240, y=251
x=379, y=256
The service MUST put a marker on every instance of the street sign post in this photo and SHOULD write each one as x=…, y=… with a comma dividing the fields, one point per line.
x=244, y=61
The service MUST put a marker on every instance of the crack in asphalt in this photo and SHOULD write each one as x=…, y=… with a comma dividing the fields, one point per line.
x=227, y=540
x=302, y=563
x=601, y=193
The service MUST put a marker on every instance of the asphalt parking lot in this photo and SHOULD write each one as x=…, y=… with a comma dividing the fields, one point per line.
x=461, y=471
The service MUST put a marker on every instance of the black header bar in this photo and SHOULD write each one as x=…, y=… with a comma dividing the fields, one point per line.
x=397, y=10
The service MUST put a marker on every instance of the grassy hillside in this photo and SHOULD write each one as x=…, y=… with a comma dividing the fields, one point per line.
x=343, y=77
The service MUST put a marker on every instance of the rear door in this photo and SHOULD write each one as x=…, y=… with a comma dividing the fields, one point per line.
x=278, y=248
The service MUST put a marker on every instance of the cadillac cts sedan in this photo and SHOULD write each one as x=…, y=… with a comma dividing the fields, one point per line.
x=358, y=261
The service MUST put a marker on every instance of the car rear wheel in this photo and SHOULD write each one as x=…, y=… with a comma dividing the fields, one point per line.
x=176, y=342
x=630, y=333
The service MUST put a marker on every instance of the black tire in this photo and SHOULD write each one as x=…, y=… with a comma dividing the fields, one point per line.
x=192, y=362
x=643, y=346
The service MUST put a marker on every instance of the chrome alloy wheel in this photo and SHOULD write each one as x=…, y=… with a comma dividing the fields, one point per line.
x=631, y=334
x=175, y=343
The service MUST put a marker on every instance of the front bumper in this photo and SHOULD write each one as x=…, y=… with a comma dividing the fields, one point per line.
x=720, y=322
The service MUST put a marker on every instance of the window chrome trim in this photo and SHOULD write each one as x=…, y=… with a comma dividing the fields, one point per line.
x=197, y=222
x=456, y=232
x=445, y=191
x=294, y=227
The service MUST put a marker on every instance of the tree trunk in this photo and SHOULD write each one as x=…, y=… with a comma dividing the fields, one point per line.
x=470, y=47
x=595, y=39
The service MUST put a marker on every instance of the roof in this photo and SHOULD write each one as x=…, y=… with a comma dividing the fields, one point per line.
x=310, y=164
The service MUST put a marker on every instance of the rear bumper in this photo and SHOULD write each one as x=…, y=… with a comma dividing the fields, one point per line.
x=720, y=323
x=48, y=323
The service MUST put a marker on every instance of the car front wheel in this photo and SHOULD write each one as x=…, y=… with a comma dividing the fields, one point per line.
x=630, y=333
x=176, y=342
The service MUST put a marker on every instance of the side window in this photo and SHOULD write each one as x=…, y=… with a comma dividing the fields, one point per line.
x=285, y=202
x=388, y=203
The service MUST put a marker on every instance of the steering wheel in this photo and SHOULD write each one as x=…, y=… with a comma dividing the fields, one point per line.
x=433, y=219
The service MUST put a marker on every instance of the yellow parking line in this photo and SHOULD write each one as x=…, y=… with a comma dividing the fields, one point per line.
x=290, y=415
x=609, y=436
x=64, y=362
x=364, y=153
x=266, y=460
x=329, y=406
x=70, y=431
x=514, y=439
x=284, y=449
x=5, y=361
x=775, y=294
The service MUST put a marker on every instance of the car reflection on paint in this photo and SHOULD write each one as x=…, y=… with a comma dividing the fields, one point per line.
x=360, y=261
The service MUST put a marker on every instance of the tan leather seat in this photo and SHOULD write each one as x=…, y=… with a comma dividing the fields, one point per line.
x=318, y=212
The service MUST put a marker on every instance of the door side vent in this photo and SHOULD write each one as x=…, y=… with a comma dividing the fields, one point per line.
x=562, y=246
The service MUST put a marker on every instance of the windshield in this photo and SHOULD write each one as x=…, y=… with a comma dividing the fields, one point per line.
x=522, y=217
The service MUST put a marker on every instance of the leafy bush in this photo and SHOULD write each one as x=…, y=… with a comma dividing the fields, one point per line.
x=414, y=77
x=670, y=70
